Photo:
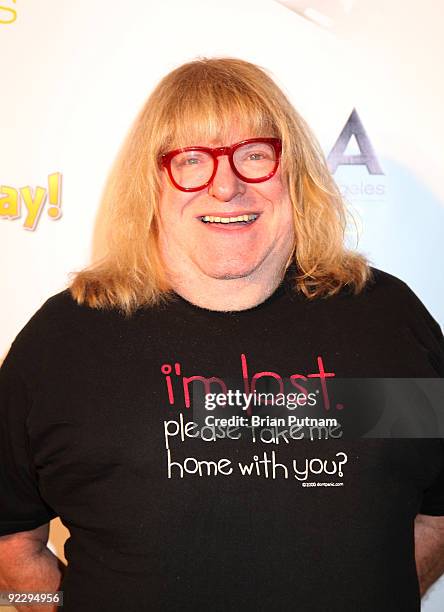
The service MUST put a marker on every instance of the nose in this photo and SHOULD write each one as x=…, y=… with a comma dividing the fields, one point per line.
x=225, y=185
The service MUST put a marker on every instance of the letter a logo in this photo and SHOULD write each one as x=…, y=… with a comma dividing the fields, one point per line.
x=367, y=156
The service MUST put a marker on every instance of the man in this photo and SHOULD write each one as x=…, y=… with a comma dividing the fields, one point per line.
x=225, y=272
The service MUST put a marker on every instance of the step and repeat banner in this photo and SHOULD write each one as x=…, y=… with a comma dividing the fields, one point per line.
x=363, y=73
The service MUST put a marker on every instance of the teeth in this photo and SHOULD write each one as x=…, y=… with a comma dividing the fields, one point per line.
x=244, y=218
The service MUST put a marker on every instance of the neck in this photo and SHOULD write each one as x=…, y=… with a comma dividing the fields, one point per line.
x=227, y=294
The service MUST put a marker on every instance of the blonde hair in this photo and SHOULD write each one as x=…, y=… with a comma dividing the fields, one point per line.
x=199, y=101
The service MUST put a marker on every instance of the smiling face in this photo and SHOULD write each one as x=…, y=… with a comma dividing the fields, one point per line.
x=231, y=229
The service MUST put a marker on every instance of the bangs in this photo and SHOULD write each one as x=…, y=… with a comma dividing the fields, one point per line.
x=207, y=112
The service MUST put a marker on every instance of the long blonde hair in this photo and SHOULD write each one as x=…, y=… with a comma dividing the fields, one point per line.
x=200, y=100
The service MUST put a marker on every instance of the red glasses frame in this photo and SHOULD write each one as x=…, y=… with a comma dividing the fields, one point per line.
x=165, y=161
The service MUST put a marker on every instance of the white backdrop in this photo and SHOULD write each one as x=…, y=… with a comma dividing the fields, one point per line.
x=74, y=75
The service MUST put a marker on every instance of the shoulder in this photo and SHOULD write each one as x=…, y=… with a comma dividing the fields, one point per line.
x=57, y=314
x=393, y=296
x=61, y=322
x=393, y=310
x=382, y=284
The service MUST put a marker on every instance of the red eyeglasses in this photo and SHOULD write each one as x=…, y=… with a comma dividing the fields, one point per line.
x=193, y=168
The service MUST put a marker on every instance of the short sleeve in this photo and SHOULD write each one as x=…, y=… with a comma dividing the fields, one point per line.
x=433, y=497
x=426, y=330
x=21, y=505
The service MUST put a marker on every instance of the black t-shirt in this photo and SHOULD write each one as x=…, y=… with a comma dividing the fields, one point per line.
x=97, y=426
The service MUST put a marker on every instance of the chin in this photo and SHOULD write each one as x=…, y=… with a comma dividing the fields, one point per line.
x=227, y=271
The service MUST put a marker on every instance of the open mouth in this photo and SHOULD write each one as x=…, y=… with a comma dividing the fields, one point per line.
x=234, y=220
